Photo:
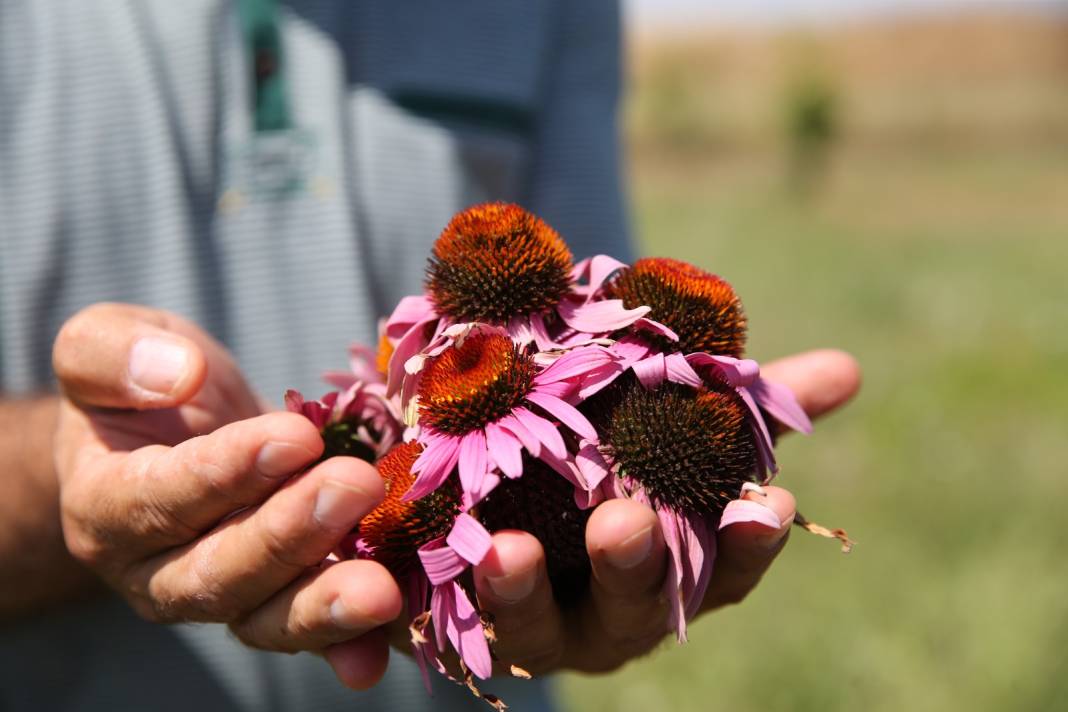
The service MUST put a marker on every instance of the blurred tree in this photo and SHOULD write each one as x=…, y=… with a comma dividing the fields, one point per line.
x=812, y=126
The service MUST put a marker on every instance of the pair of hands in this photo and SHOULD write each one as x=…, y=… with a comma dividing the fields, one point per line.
x=195, y=504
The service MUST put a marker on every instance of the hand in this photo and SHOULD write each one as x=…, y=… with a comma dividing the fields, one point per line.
x=186, y=499
x=624, y=615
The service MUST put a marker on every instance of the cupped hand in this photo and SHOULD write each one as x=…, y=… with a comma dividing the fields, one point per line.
x=625, y=615
x=195, y=505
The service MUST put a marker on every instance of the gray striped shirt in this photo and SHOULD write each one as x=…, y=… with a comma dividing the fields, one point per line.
x=130, y=170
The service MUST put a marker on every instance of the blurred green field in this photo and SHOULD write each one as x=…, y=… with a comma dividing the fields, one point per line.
x=945, y=273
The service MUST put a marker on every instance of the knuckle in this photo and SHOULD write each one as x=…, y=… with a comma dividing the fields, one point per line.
x=285, y=541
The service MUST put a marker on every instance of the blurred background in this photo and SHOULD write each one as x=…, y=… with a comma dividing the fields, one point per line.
x=890, y=178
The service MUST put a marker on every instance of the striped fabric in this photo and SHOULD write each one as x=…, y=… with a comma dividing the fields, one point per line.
x=125, y=174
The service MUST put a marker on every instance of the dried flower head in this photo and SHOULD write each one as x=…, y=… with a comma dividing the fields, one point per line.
x=690, y=449
x=700, y=307
x=496, y=261
x=393, y=532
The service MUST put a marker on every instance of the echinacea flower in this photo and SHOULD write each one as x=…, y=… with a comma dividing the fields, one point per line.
x=358, y=421
x=498, y=264
x=427, y=544
x=687, y=451
x=483, y=399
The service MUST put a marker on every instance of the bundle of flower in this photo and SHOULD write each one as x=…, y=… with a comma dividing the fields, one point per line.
x=520, y=391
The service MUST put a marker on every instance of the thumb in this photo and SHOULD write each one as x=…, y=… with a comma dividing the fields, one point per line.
x=126, y=356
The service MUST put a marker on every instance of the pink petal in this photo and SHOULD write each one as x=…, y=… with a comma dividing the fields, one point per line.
x=601, y=268
x=599, y=317
x=505, y=450
x=651, y=370
x=574, y=364
x=746, y=510
x=464, y=628
x=528, y=439
x=595, y=380
x=592, y=465
x=409, y=345
x=294, y=401
x=737, y=372
x=469, y=539
x=680, y=371
x=673, y=580
x=781, y=404
x=763, y=437
x=441, y=563
x=409, y=311
x=489, y=482
x=566, y=413
x=656, y=327
x=474, y=460
x=433, y=465
x=544, y=431
x=699, y=553
x=630, y=350
x=541, y=335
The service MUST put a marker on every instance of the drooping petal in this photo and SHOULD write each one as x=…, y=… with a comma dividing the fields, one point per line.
x=592, y=465
x=630, y=350
x=545, y=432
x=599, y=317
x=440, y=562
x=409, y=311
x=673, y=580
x=781, y=403
x=746, y=510
x=464, y=628
x=410, y=344
x=646, y=324
x=765, y=451
x=737, y=372
x=698, y=556
x=489, y=483
x=529, y=440
x=575, y=364
x=505, y=450
x=469, y=539
x=474, y=460
x=598, y=379
x=651, y=370
x=601, y=268
x=566, y=413
x=433, y=465
x=680, y=371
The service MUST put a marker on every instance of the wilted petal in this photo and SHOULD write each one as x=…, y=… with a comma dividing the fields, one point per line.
x=592, y=465
x=409, y=345
x=574, y=364
x=409, y=311
x=630, y=350
x=655, y=327
x=566, y=413
x=737, y=372
x=673, y=580
x=464, y=628
x=680, y=371
x=441, y=563
x=763, y=437
x=698, y=555
x=601, y=268
x=469, y=539
x=599, y=317
x=781, y=403
x=651, y=370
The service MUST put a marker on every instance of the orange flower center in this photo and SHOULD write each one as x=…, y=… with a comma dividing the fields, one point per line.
x=497, y=261
x=702, y=308
x=395, y=529
x=474, y=382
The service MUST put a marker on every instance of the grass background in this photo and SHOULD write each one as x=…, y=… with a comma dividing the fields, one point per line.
x=940, y=260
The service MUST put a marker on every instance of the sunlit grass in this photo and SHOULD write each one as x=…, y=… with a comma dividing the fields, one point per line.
x=947, y=278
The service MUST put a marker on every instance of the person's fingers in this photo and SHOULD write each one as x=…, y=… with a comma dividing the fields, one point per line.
x=124, y=356
x=627, y=552
x=329, y=606
x=158, y=497
x=822, y=380
x=746, y=549
x=359, y=664
x=513, y=587
x=250, y=557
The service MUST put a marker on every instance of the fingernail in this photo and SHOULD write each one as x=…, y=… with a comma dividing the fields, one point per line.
x=157, y=364
x=278, y=458
x=631, y=551
x=339, y=504
x=513, y=588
